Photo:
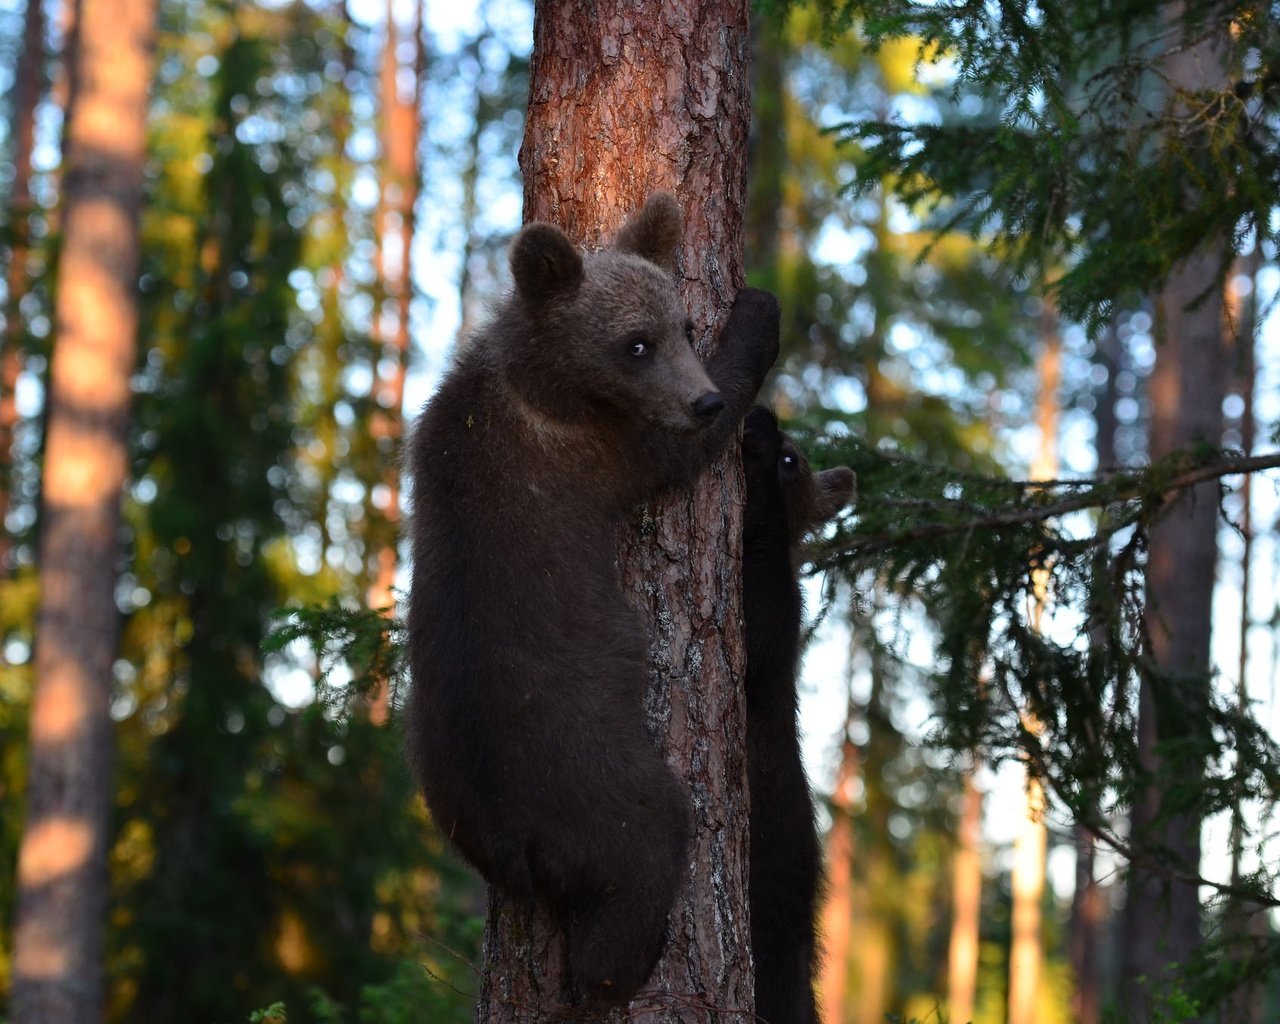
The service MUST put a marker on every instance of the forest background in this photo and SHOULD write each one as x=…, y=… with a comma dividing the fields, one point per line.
x=325, y=210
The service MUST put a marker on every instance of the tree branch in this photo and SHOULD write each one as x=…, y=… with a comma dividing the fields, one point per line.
x=1100, y=495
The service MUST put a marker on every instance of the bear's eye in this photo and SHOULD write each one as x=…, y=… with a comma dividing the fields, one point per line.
x=688, y=330
x=638, y=345
x=789, y=461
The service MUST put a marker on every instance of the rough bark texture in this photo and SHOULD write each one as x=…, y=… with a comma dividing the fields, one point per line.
x=627, y=97
x=62, y=868
x=28, y=84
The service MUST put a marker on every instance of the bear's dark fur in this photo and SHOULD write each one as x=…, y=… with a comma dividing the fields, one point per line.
x=785, y=500
x=526, y=728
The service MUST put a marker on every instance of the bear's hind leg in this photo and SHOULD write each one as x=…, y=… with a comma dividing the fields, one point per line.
x=619, y=930
x=615, y=944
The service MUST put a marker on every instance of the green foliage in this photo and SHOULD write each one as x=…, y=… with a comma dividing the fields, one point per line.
x=979, y=553
x=366, y=644
x=1063, y=140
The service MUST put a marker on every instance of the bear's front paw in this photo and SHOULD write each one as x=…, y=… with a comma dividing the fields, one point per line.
x=754, y=324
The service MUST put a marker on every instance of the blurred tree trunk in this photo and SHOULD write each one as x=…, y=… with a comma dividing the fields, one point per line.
x=767, y=145
x=62, y=869
x=1244, y=920
x=470, y=177
x=401, y=126
x=1188, y=384
x=626, y=98
x=875, y=900
x=1083, y=928
x=966, y=920
x=29, y=82
x=1029, y=850
x=837, y=910
x=1084, y=924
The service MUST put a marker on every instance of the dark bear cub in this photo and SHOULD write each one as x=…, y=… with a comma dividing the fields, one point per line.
x=526, y=728
x=785, y=500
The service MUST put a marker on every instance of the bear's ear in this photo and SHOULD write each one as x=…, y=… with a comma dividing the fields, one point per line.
x=836, y=488
x=654, y=231
x=544, y=262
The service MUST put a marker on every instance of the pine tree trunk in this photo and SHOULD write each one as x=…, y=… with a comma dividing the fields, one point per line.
x=1244, y=921
x=28, y=84
x=1029, y=852
x=837, y=911
x=1084, y=926
x=962, y=958
x=1188, y=384
x=400, y=133
x=627, y=97
x=1083, y=930
x=62, y=869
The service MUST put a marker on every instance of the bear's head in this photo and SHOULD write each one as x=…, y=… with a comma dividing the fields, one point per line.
x=783, y=491
x=610, y=334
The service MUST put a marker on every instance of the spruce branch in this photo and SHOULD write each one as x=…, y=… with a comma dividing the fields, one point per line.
x=1153, y=486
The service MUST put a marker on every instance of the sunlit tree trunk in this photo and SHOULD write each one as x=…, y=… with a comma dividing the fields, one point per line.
x=400, y=133
x=837, y=910
x=875, y=903
x=62, y=868
x=1029, y=850
x=28, y=84
x=1162, y=919
x=627, y=97
x=966, y=918
x=1025, y=953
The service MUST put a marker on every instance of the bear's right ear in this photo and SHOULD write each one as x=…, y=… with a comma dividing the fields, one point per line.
x=544, y=262
x=654, y=231
x=836, y=488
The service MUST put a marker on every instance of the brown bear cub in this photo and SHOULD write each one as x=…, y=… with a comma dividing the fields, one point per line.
x=526, y=727
x=785, y=500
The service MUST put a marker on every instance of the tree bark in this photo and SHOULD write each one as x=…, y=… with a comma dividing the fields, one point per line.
x=627, y=97
x=1188, y=384
x=29, y=81
x=62, y=868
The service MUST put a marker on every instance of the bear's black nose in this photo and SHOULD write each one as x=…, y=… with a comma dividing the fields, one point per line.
x=707, y=406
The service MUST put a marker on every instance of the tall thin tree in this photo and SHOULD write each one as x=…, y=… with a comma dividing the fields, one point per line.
x=401, y=85
x=29, y=83
x=659, y=100
x=966, y=873
x=1188, y=385
x=837, y=910
x=1026, y=951
x=62, y=868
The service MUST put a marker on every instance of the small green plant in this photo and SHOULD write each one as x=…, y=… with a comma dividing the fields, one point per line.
x=273, y=1014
